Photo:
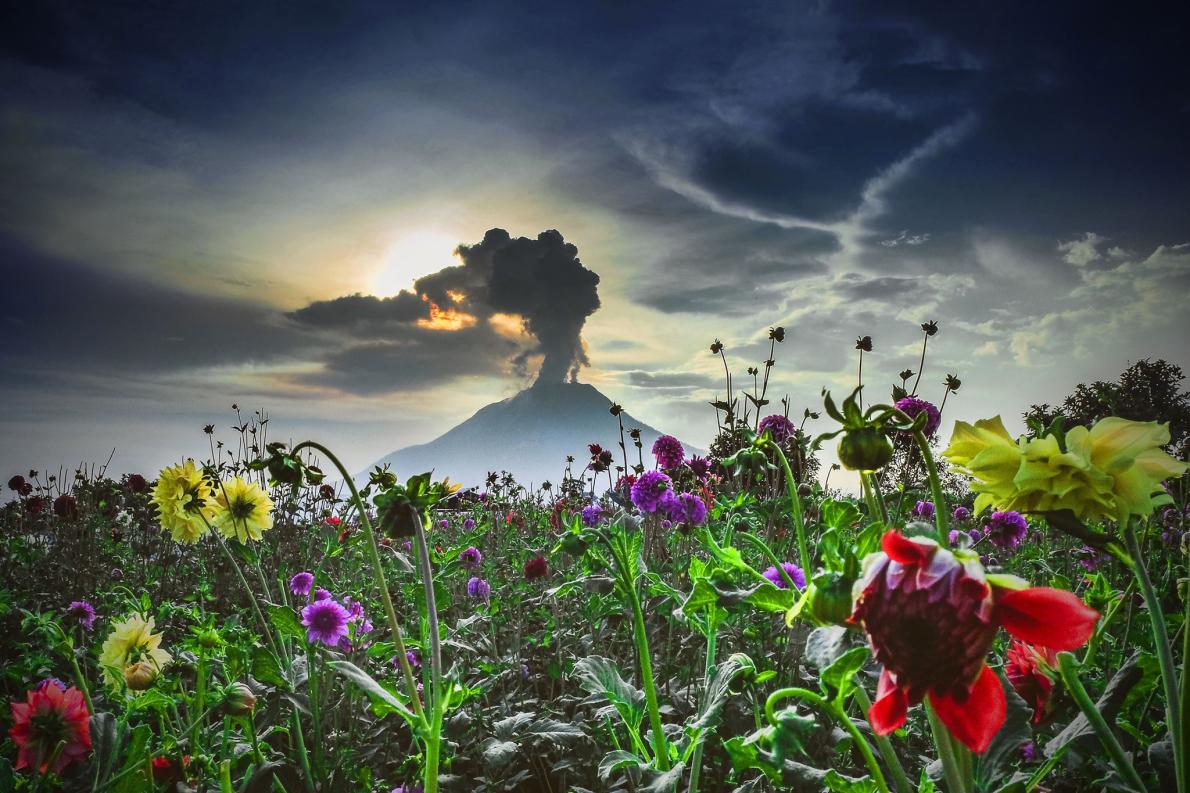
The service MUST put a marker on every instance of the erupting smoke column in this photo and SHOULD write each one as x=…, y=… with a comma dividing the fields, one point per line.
x=542, y=281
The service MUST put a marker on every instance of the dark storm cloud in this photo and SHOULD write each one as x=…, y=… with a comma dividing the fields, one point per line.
x=888, y=287
x=540, y=281
x=670, y=380
x=58, y=316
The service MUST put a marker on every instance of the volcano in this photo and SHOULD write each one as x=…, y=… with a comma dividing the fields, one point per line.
x=528, y=435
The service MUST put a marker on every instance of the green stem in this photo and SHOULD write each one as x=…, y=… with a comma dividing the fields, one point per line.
x=708, y=669
x=752, y=539
x=437, y=698
x=1185, y=689
x=200, y=695
x=940, y=508
x=799, y=525
x=835, y=710
x=884, y=745
x=378, y=574
x=1165, y=660
x=264, y=624
x=640, y=631
x=1068, y=666
x=315, y=709
x=955, y=780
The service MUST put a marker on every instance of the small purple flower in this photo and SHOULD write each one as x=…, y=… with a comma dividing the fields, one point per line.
x=413, y=658
x=960, y=514
x=1007, y=529
x=408, y=789
x=468, y=524
x=444, y=524
x=478, y=588
x=50, y=681
x=953, y=537
x=325, y=621
x=592, y=514
x=355, y=609
x=648, y=490
x=471, y=558
x=1090, y=558
x=700, y=466
x=778, y=580
x=82, y=612
x=779, y=427
x=923, y=510
x=912, y=406
x=666, y=524
x=322, y=594
x=301, y=583
x=408, y=546
x=668, y=451
x=692, y=509
x=1028, y=751
x=976, y=535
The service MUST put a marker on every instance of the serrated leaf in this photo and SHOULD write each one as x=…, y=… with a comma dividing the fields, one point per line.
x=560, y=732
x=839, y=676
x=266, y=669
x=286, y=621
x=497, y=754
x=614, y=761
x=383, y=700
x=599, y=676
x=667, y=782
x=506, y=729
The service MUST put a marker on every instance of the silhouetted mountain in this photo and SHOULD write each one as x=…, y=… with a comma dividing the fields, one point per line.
x=529, y=434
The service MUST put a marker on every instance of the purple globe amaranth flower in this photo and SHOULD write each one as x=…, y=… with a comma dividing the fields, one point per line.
x=325, y=621
x=648, y=490
x=471, y=558
x=912, y=406
x=1007, y=529
x=960, y=514
x=301, y=583
x=924, y=510
x=778, y=580
x=691, y=509
x=592, y=514
x=668, y=451
x=468, y=524
x=700, y=466
x=82, y=612
x=478, y=588
x=779, y=427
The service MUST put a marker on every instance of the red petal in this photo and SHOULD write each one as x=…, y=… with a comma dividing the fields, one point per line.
x=901, y=549
x=888, y=711
x=1052, y=618
x=976, y=721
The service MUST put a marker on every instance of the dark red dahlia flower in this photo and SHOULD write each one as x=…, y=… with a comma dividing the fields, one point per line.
x=1026, y=667
x=66, y=507
x=20, y=486
x=136, y=483
x=931, y=615
x=536, y=567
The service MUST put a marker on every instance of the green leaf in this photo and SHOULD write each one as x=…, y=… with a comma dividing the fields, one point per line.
x=266, y=669
x=599, y=676
x=614, y=761
x=383, y=700
x=555, y=731
x=667, y=782
x=837, y=783
x=286, y=621
x=839, y=677
x=497, y=754
x=717, y=691
x=771, y=598
x=839, y=515
x=135, y=758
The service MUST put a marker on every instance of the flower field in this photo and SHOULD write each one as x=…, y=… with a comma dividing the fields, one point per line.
x=987, y=613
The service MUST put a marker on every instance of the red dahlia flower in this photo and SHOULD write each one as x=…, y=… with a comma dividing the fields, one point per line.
x=931, y=615
x=536, y=567
x=50, y=716
x=1028, y=669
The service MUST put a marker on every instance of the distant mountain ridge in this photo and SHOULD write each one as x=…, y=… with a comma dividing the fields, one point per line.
x=529, y=434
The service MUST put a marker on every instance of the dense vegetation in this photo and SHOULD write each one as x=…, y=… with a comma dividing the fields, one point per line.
x=250, y=622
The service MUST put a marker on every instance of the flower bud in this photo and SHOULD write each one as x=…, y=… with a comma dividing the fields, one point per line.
x=140, y=676
x=209, y=639
x=864, y=449
x=238, y=700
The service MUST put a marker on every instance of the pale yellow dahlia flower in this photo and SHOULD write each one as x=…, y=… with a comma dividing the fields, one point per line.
x=243, y=510
x=131, y=641
x=183, y=499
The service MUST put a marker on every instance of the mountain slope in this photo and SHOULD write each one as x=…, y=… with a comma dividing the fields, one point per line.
x=529, y=434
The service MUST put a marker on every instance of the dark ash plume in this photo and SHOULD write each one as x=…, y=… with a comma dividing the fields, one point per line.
x=541, y=281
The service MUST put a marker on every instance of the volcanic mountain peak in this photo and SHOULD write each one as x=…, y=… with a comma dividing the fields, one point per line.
x=529, y=434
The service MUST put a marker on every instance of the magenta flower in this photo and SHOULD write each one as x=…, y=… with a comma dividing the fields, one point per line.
x=924, y=510
x=478, y=588
x=325, y=621
x=1007, y=529
x=778, y=580
x=649, y=489
x=689, y=509
x=471, y=558
x=912, y=406
x=468, y=524
x=592, y=514
x=82, y=612
x=779, y=427
x=301, y=583
x=960, y=514
x=322, y=594
x=668, y=451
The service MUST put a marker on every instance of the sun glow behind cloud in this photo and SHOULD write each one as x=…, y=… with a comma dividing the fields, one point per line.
x=411, y=256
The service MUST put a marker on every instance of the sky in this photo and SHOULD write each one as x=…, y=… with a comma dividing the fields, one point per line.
x=218, y=203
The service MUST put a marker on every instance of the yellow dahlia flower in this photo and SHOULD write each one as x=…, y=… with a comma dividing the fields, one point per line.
x=183, y=499
x=242, y=510
x=1109, y=471
x=132, y=640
